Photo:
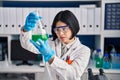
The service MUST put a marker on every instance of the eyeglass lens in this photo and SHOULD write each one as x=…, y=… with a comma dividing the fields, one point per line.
x=61, y=28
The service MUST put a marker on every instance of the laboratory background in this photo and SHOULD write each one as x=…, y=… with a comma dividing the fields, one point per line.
x=99, y=22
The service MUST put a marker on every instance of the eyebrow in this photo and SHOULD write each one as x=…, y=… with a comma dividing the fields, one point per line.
x=61, y=26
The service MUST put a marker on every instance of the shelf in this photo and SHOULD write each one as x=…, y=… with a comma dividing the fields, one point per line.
x=53, y=0
x=111, y=33
x=9, y=68
x=96, y=70
x=48, y=3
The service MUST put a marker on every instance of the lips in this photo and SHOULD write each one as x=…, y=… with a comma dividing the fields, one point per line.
x=62, y=38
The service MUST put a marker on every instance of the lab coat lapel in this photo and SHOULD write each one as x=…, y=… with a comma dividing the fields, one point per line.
x=72, y=49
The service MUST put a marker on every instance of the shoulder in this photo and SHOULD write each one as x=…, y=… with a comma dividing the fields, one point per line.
x=82, y=46
x=50, y=40
x=53, y=42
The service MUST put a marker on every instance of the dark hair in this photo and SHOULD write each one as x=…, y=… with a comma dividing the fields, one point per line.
x=68, y=18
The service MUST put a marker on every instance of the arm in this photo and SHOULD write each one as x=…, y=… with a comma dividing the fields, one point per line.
x=26, y=32
x=75, y=70
x=62, y=69
x=25, y=37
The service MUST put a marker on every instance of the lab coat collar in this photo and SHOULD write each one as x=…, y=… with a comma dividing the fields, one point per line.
x=69, y=45
x=70, y=51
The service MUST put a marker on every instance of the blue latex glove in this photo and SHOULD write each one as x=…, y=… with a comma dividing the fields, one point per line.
x=44, y=49
x=31, y=21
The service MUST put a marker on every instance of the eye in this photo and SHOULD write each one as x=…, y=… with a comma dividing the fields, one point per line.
x=65, y=28
x=56, y=29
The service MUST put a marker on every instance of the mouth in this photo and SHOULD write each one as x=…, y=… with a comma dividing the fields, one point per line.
x=62, y=38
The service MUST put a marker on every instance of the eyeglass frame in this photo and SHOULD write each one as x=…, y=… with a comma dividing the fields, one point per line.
x=56, y=29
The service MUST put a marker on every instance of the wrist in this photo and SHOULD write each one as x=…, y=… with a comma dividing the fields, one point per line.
x=51, y=60
x=22, y=29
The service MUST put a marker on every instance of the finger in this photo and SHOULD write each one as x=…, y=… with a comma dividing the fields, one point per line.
x=41, y=42
x=33, y=20
x=35, y=44
x=40, y=17
x=46, y=42
x=33, y=14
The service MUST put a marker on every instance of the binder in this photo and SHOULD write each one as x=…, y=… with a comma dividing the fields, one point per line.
x=45, y=19
x=6, y=24
x=33, y=9
x=97, y=20
x=1, y=21
x=77, y=14
x=83, y=25
x=12, y=20
x=90, y=20
x=40, y=11
x=25, y=14
x=58, y=10
x=19, y=20
x=87, y=6
x=52, y=13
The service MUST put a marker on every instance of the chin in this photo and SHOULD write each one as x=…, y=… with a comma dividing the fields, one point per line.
x=64, y=41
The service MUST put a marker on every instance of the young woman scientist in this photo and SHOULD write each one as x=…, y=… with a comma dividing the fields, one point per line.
x=69, y=65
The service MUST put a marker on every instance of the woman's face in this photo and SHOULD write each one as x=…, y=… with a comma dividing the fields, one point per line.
x=63, y=32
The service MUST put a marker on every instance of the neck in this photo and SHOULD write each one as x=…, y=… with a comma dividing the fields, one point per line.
x=71, y=40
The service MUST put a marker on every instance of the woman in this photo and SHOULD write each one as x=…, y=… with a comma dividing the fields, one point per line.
x=69, y=65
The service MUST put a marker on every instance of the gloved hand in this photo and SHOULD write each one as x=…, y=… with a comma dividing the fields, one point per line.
x=31, y=21
x=44, y=49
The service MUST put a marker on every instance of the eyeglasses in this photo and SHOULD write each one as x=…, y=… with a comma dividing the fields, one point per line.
x=64, y=29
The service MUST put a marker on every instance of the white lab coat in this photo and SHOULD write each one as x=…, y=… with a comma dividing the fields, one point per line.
x=59, y=69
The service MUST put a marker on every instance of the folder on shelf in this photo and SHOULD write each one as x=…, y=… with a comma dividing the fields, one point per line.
x=1, y=21
x=33, y=9
x=77, y=10
x=25, y=14
x=6, y=24
x=58, y=10
x=77, y=14
x=52, y=13
x=97, y=20
x=19, y=20
x=90, y=20
x=40, y=12
x=87, y=6
x=12, y=20
x=45, y=19
x=83, y=19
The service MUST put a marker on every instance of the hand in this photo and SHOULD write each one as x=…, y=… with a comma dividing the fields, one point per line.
x=31, y=21
x=44, y=49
